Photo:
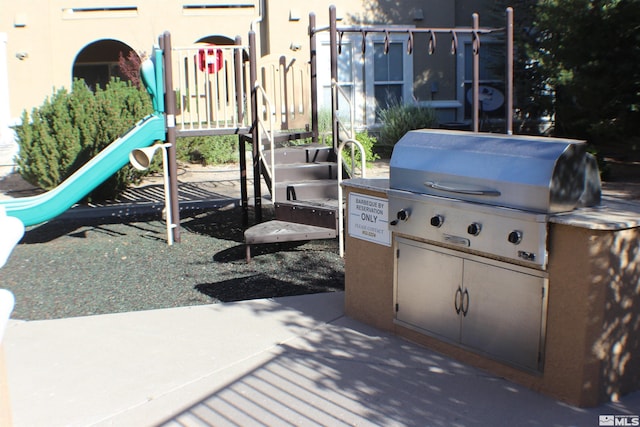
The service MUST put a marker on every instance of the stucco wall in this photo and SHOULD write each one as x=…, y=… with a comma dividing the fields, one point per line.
x=47, y=36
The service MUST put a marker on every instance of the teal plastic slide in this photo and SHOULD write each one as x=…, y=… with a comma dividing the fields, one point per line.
x=43, y=207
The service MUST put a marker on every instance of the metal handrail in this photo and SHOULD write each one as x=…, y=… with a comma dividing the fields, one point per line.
x=352, y=142
x=269, y=133
x=350, y=133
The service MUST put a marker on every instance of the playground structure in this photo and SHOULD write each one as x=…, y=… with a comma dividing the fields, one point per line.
x=207, y=90
x=222, y=91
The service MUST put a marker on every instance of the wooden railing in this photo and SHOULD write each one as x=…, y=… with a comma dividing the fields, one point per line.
x=213, y=90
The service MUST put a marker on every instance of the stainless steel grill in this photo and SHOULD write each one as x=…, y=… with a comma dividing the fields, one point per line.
x=536, y=174
x=487, y=193
x=469, y=214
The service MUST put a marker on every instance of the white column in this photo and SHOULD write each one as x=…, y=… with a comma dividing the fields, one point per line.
x=8, y=145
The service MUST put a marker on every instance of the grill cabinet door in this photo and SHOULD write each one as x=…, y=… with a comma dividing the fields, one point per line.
x=427, y=282
x=503, y=313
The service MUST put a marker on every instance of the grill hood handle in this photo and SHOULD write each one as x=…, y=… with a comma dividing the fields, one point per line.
x=452, y=188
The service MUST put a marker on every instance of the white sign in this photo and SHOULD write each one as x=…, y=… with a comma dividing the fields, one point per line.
x=369, y=219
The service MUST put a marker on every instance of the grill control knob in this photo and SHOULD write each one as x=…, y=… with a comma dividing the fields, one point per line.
x=474, y=228
x=515, y=237
x=437, y=220
x=402, y=215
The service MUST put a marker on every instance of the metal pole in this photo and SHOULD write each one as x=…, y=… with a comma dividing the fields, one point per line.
x=237, y=57
x=244, y=196
x=314, y=76
x=255, y=132
x=170, y=114
x=509, y=72
x=333, y=48
x=167, y=193
x=240, y=100
x=476, y=72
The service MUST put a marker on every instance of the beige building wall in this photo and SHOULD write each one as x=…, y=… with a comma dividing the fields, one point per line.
x=44, y=37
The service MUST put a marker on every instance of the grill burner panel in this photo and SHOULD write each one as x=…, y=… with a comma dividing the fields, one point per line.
x=503, y=233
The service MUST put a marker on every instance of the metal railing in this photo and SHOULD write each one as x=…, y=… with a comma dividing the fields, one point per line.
x=286, y=82
x=267, y=111
x=209, y=95
x=351, y=141
x=213, y=93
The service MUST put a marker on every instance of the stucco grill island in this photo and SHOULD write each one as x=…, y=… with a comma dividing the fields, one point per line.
x=500, y=255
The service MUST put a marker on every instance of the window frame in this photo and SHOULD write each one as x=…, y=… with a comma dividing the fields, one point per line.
x=362, y=83
x=407, y=73
x=463, y=83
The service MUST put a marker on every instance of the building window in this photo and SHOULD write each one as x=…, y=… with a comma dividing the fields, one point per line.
x=491, y=79
x=388, y=75
x=372, y=80
x=346, y=81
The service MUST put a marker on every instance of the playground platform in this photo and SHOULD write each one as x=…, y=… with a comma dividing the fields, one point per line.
x=277, y=362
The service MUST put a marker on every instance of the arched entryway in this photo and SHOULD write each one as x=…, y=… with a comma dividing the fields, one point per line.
x=101, y=60
x=218, y=40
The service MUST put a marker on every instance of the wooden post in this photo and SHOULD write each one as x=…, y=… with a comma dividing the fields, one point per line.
x=240, y=99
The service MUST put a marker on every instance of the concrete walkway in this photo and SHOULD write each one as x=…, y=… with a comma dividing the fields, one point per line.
x=295, y=361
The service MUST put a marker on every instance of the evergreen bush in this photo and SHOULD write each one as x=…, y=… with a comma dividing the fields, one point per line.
x=208, y=150
x=368, y=143
x=72, y=127
x=363, y=137
x=399, y=119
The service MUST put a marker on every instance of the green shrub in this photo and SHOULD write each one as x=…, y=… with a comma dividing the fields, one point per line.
x=368, y=142
x=208, y=150
x=399, y=119
x=72, y=127
x=324, y=126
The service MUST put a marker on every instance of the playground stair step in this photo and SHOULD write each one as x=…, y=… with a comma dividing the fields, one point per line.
x=309, y=189
x=307, y=153
x=284, y=231
x=304, y=171
x=317, y=213
x=305, y=196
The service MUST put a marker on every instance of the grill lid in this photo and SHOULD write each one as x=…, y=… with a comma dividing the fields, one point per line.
x=532, y=173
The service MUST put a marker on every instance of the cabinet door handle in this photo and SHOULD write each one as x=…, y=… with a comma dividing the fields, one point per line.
x=457, y=301
x=465, y=307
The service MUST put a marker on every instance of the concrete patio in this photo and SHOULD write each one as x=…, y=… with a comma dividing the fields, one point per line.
x=277, y=362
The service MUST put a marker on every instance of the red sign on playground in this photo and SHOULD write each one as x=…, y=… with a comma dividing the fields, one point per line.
x=210, y=59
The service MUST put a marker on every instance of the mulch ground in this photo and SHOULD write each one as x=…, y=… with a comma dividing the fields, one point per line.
x=68, y=269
